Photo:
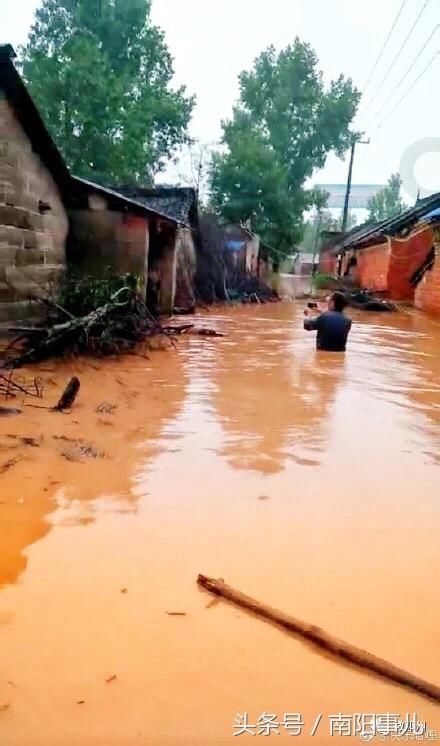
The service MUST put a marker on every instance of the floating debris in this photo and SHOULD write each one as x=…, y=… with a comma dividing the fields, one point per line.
x=9, y=464
x=9, y=411
x=110, y=679
x=82, y=450
x=106, y=408
x=32, y=442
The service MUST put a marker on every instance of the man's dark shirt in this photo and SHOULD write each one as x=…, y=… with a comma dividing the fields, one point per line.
x=332, y=327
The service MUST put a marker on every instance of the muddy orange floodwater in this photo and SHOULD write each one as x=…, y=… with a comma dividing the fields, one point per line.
x=307, y=480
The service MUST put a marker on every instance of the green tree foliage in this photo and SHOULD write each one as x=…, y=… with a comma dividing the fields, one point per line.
x=388, y=202
x=100, y=74
x=283, y=127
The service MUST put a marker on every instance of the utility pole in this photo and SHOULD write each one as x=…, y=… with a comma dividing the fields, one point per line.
x=350, y=174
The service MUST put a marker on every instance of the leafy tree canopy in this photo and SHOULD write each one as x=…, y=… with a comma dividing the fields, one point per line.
x=388, y=202
x=283, y=127
x=100, y=73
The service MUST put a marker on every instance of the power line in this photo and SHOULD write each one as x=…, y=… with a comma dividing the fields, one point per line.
x=402, y=47
x=408, y=91
x=385, y=44
x=404, y=76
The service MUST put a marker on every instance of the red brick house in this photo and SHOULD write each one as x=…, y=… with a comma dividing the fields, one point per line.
x=389, y=255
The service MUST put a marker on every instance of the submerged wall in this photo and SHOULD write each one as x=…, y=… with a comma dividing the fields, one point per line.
x=33, y=222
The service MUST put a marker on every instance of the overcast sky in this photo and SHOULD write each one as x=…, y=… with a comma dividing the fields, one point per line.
x=213, y=41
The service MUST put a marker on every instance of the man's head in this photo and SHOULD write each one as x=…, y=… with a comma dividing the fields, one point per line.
x=337, y=302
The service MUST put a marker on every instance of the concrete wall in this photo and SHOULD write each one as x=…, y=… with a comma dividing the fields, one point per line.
x=293, y=286
x=427, y=293
x=32, y=244
x=372, y=267
x=186, y=265
x=102, y=240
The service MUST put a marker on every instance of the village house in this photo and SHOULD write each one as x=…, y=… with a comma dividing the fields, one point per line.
x=398, y=256
x=242, y=246
x=51, y=220
x=180, y=205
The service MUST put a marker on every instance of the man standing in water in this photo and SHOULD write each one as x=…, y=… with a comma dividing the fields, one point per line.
x=332, y=326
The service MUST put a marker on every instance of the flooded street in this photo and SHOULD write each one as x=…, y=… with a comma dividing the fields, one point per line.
x=307, y=480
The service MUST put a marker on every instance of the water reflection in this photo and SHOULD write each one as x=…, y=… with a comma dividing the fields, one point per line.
x=45, y=487
x=274, y=393
x=397, y=363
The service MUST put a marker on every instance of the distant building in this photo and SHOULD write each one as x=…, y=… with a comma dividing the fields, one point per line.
x=360, y=194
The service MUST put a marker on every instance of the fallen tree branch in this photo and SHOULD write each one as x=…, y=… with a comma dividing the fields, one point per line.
x=59, y=333
x=117, y=326
x=10, y=387
x=323, y=639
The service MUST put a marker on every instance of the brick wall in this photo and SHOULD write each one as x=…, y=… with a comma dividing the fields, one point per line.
x=32, y=244
x=407, y=255
x=427, y=293
x=103, y=240
x=372, y=267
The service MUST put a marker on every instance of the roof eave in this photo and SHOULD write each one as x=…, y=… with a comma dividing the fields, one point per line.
x=128, y=201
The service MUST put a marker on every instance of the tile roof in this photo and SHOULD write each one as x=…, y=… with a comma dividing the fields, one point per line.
x=369, y=232
x=176, y=203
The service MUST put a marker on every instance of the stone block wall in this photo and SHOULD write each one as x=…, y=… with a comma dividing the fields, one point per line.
x=32, y=236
